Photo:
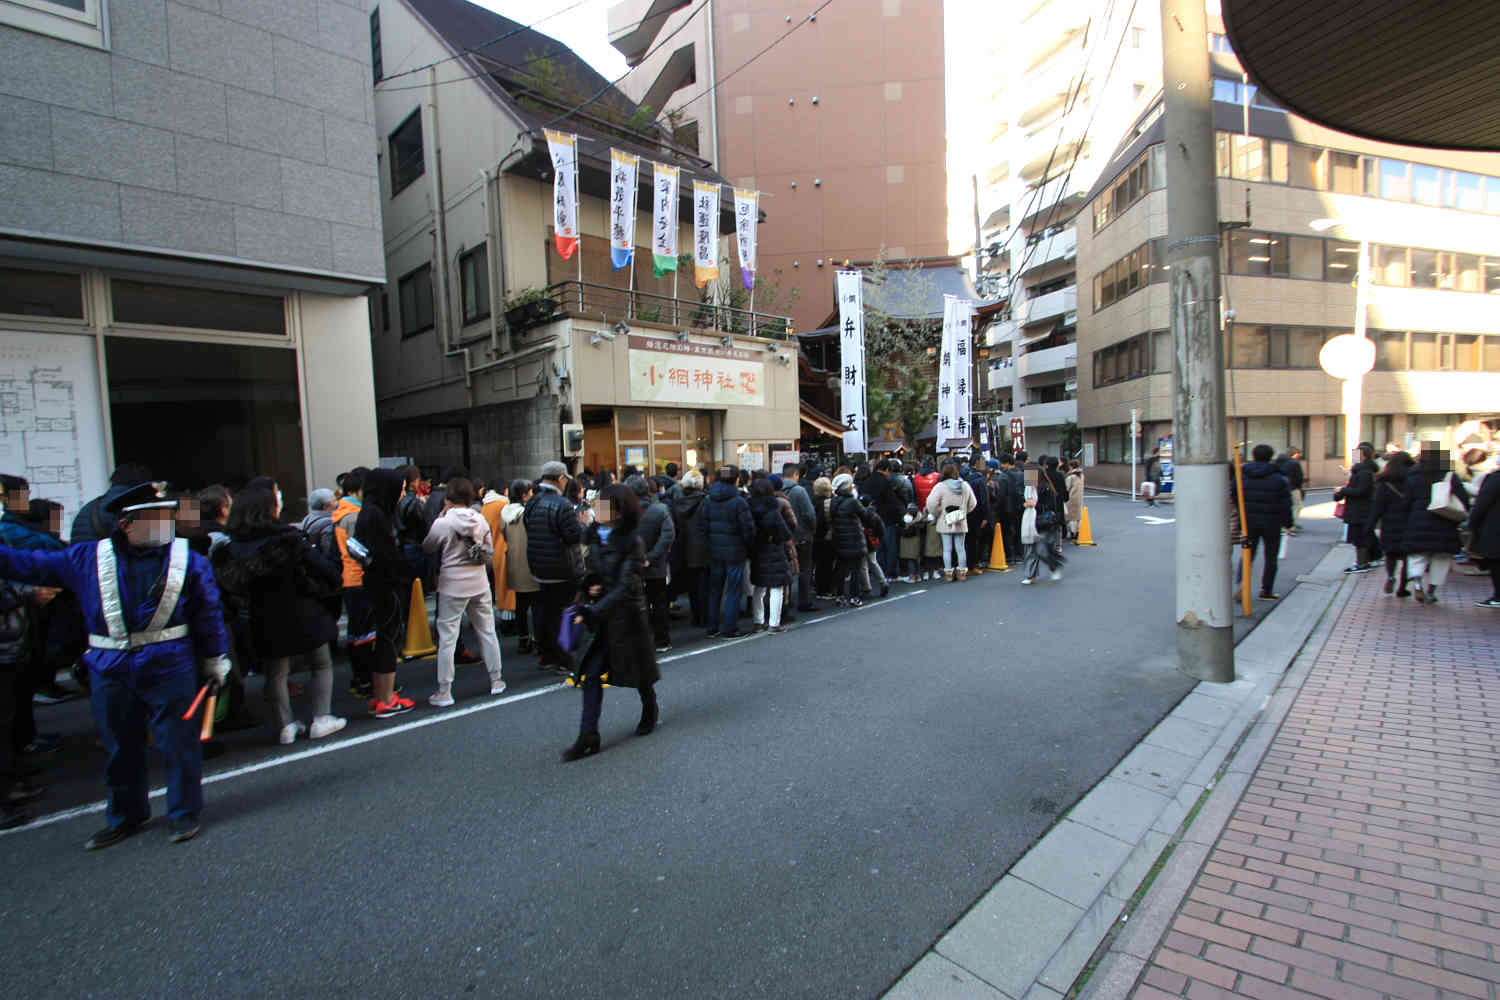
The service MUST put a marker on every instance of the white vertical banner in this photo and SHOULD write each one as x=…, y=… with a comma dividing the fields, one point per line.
x=852, y=367
x=664, y=219
x=705, y=232
x=564, y=150
x=746, y=215
x=955, y=373
x=622, y=177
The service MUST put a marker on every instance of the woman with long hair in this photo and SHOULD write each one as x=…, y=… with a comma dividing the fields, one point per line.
x=1049, y=500
x=1388, y=516
x=950, y=503
x=274, y=572
x=613, y=607
x=1431, y=541
x=768, y=559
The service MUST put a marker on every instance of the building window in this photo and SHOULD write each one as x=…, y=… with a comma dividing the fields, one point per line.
x=233, y=413
x=407, y=161
x=377, y=63
x=474, y=279
x=41, y=293
x=1341, y=261
x=153, y=304
x=1148, y=173
x=414, y=291
x=80, y=21
x=1333, y=437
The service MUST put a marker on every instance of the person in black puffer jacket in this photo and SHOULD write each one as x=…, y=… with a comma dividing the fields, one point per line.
x=1357, y=494
x=768, y=563
x=729, y=530
x=614, y=608
x=1388, y=515
x=1431, y=541
x=658, y=532
x=277, y=573
x=847, y=521
x=1484, y=526
x=552, y=536
x=690, y=550
x=387, y=579
x=1268, y=509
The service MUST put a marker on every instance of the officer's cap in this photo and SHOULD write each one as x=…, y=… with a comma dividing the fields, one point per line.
x=146, y=496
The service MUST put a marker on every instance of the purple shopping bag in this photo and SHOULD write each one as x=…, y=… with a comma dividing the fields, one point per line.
x=569, y=633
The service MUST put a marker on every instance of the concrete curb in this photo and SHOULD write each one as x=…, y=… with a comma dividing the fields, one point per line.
x=1034, y=933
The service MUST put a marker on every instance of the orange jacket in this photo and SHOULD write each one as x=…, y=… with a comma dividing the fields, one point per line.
x=505, y=598
x=344, y=516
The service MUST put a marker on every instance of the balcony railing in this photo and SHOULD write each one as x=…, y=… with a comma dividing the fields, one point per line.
x=587, y=300
x=1050, y=305
x=1051, y=359
x=1002, y=377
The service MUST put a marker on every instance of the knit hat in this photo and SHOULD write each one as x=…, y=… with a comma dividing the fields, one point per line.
x=842, y=482
x=776, y=481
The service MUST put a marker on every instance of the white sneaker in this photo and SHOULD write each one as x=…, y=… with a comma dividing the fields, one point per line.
x=1026, y=582
x=1055, y=575
x=497, y=686
x=291, y=731
x=440, y=699
x=326, y=725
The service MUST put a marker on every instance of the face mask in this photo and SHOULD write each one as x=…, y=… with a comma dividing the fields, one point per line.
x=910, y=518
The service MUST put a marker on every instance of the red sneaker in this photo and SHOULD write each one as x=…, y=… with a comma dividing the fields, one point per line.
x=396, y=706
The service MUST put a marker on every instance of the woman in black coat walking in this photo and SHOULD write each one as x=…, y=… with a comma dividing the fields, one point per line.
x=1484, y=529
x=1388, y=514
x=273, y=572
x=623, y=651
x=1356, y=494
x=1431, y=541
x=768, y=564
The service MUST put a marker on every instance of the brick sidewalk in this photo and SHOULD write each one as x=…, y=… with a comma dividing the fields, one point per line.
x=1364, y=858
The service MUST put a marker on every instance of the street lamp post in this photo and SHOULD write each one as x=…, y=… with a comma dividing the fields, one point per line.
x=1350, y=357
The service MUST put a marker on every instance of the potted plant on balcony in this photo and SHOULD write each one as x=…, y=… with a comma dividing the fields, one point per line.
x=528, y=308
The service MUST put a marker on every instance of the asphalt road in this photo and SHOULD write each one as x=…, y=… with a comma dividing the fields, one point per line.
x=815, y=810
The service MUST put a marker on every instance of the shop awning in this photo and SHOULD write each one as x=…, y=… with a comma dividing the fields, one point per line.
x=1418, y=74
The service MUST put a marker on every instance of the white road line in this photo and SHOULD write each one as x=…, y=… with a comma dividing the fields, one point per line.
x=426, y=720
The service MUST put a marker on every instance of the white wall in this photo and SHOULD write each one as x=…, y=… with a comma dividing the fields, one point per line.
x=338, y=385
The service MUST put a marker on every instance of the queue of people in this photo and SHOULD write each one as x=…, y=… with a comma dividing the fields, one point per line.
x=218, y=587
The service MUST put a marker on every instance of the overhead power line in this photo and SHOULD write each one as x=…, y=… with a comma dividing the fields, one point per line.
x=474, y=49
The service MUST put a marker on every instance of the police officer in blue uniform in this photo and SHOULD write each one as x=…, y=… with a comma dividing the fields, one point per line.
x=152, y=611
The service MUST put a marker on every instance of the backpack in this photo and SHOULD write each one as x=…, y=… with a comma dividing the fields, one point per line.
x=15, y=622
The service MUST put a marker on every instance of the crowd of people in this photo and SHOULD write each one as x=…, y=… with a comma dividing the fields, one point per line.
x=218, y=586
x=1418, y=515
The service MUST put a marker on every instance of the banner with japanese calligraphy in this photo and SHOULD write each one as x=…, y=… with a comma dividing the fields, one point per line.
x=705, y=233
x=664, y=219
x=848, y=285
x=564, y=150
x=622, y=172
x=954, y=374
x=746, y=215
x=665, y=370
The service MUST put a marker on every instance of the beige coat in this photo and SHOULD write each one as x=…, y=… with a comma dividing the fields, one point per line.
x=1075, y=497
x=945, y=495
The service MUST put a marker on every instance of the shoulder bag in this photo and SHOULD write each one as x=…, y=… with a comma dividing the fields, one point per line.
x=1442, y=503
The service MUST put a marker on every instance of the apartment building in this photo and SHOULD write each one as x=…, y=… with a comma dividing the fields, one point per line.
x=1295, y=200
x=669, y=46
x=188, y=233
x=1060, y=82
x=492, y=350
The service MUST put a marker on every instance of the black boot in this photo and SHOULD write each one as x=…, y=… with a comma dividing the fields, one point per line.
x=648, y=720
x=585, y=747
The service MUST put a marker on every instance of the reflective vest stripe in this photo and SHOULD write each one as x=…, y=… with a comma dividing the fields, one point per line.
x=114, y=616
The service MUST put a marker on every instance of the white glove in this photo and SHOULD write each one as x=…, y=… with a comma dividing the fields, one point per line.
x=218, y=666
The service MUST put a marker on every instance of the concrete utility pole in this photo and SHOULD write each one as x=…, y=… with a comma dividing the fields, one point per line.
x=1205, y=623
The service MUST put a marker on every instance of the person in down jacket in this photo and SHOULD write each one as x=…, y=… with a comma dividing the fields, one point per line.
x=1388, y=516
x=950, y=503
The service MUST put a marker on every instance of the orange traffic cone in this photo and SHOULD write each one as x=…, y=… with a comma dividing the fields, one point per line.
x=418, y=632
x=997, y=553
x=1085, y=535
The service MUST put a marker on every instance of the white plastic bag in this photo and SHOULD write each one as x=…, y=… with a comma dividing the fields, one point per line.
x=1444, y=504
x=1028, y=520
x=1281, y=550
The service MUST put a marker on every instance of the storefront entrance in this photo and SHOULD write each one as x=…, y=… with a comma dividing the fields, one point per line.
x=647, y=439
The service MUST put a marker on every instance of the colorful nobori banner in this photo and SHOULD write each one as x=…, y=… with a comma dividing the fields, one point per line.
x=705, y=232
x=622, y=178
x=664, y=219
x=848, y=285
x=564, y=150
x=746, y=216
x=954, y=374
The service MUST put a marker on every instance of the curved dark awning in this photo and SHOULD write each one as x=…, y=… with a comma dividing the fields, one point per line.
x=1417, y=74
